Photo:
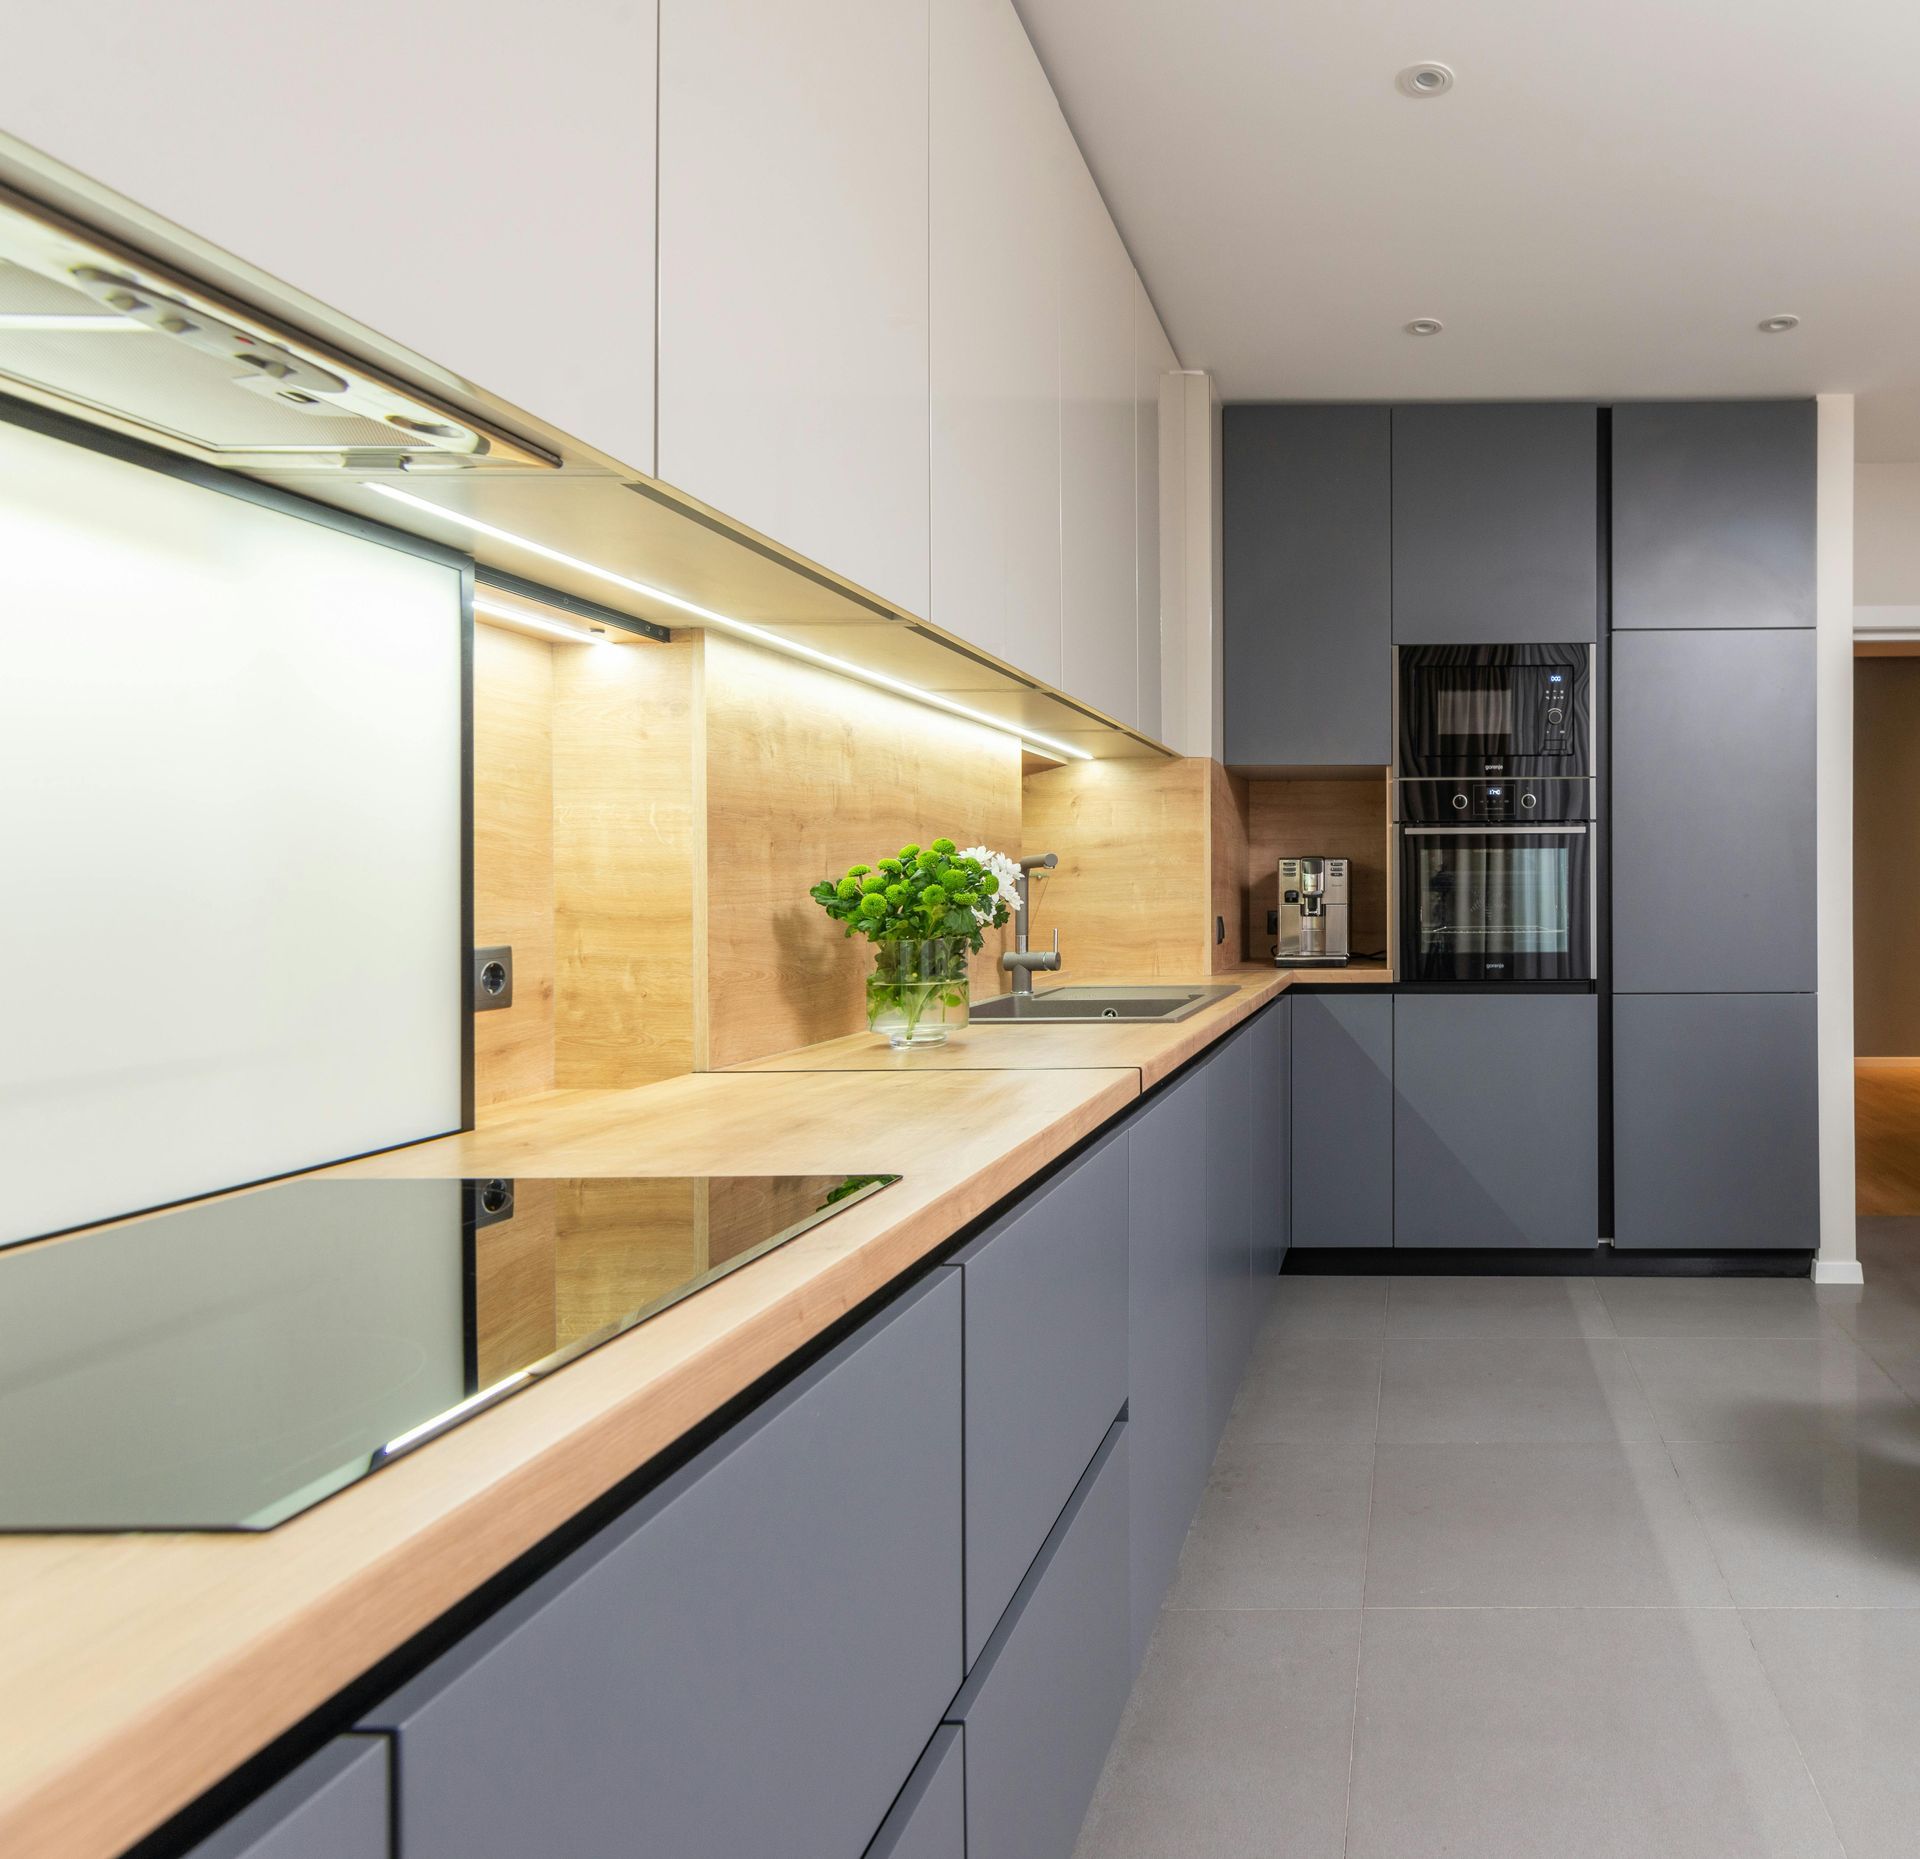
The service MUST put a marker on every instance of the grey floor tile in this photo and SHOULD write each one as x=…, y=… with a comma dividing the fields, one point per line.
x=1535, y=1526
x=1496, y=1307
x=1314, y=1306
x=1574, y=1734
x=1899, y=1362
x=1235, y=1742
x=1810, y=1524
x=1849, y=1683
x=1884, y=1309
x=1449, y=1391
x=1770, y=1388
x=1279, y=1526
x=1309, y=1389
x=1889, y=1245
x=1714, y=1306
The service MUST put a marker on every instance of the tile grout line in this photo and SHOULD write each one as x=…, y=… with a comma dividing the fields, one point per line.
x=1366, y=1558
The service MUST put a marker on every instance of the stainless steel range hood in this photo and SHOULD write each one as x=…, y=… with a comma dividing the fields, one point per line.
x=115, y=338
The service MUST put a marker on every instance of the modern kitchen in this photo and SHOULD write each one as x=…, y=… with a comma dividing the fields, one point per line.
x=938, y=930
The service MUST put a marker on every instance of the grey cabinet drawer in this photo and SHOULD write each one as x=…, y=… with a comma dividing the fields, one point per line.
x=1496, y=1120
x=1168, y=1439
x=1230, y=1222
x=1713, y=818
x=929, y=1821
x=1046, y=1366
x=334, y=1806
x=749, y=1661
x=1041, y=1707
x=1268, y=1056
x=1496, y=520
x=1306, y=500
x=1342, y=1119
x=1716, y=1139
x=1713, y=514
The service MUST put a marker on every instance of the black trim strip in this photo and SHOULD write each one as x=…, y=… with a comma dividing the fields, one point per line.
x=580, y=607
x=1521, y=1262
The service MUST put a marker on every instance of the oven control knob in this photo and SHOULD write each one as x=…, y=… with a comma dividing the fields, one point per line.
x=1459, y=803
x=1528, y=802
x=1554, y=718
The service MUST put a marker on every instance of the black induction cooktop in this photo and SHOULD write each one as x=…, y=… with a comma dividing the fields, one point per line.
x=226, y=1365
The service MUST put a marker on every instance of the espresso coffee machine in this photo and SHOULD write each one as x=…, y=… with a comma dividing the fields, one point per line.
x=1312, y=923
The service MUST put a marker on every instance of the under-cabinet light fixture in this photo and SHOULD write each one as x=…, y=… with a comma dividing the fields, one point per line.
x=39, y=322
x=536, y=622
x=777, y=642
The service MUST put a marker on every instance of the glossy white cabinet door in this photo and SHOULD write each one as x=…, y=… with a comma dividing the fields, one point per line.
x=472, y=179
x=1099, y=655
x=1153, y=357
x=793, y=276
x=995, y=184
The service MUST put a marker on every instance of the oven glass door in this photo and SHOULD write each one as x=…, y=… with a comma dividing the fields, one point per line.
x=1494, y=904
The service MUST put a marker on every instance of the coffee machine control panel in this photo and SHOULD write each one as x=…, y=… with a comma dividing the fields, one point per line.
x=1511, y=802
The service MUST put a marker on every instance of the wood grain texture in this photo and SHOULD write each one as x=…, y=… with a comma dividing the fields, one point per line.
x=626, y=839
x=136, y=1671
x=513, y=856
x=1886, y=1121
x=1228, y=825
x=515, y=1318
x=1131, y=893
x=1347, y=819
x=807, y=773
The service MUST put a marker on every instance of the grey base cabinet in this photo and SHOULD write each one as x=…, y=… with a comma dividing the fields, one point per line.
x=1231, y=1317
x=1496, y=1120
x=1169, y=1436
x=1270, y=1058
x=1041, y=1707
x=334, y=1806
x=1716, y=1122
x=750, y=1661
x=1342, y=1145
x=929, y=1821
x=1045, y=1326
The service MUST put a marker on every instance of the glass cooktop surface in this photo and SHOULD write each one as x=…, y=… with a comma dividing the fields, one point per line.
x=226, y=1365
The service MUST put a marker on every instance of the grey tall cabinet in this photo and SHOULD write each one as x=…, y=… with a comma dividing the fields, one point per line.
x=1715, y=1097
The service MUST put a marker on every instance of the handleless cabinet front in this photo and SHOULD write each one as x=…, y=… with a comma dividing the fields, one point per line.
x=1266, y=1038
x=334, y=1806
x=929, y=1821
x=1496, y=523
x=1231, y=1316
x=1713, y=812
x=1342, y=1119
x=1046, y=1367
x=749, y=1661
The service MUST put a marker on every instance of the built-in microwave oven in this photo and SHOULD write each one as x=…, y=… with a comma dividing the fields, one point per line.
x=1481, y=711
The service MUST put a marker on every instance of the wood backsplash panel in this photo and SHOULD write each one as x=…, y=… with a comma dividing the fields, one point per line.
x=1229, y=820
x=807, y=773
x=626, y=847
x=1131, y=893
x=513, y=857
x=1338, y=818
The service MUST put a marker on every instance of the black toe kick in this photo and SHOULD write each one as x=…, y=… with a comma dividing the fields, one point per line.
x=1498, y=1262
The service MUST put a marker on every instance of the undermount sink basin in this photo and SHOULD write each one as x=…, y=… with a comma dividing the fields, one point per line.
x=1098, y=1004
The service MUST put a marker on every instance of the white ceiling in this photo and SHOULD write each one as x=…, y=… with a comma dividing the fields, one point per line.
x=1607, y=203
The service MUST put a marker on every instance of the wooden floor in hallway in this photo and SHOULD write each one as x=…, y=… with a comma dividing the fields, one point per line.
x=1887, y=1135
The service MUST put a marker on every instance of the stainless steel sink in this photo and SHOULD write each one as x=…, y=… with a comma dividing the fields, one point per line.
x=1100, y=1004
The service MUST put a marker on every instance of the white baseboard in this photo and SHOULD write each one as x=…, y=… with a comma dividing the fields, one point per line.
x=1838, y=1272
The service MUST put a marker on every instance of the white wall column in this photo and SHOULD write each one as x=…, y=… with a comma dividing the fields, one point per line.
x=1837, y=1262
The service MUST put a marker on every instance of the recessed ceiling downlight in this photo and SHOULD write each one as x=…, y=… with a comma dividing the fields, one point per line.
x=1425, y=326
x=1778, y=325
x=1426, y=79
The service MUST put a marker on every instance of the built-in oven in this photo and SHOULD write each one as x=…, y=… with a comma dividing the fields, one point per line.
x=1491, y=902
x=1479, y=711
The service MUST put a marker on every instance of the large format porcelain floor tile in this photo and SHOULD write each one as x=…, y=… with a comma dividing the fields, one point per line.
x=1279, y=1526
x=1714, y=1306
x=1849, y=1683
x=1312, y=1306
x=1535, y=1526
x=1496, y=1307
x=1770, y=1388
x=1309, y=1390
x=1450, y=1391
x=1822, y=1524
x=1884, y=1309
x=1574, y=1734
x=1235, y=1742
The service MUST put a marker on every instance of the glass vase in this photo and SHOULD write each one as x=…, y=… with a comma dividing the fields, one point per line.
x=917, y=993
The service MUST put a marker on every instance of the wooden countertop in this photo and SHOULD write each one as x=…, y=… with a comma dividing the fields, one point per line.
x=138, y=1670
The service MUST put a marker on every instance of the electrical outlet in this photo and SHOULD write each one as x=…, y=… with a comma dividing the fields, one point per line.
x=492, y=1201
x=492, y=978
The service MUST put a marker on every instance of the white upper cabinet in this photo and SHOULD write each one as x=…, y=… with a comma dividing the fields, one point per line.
x=471, y=179
x=1099, y=623
x=995, y=185
x=1153, y=357
x=793, y=276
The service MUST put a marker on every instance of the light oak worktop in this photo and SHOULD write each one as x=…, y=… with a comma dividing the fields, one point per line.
x=138, y=1670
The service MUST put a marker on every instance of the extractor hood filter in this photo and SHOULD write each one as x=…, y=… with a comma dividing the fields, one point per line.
x=112, y=338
